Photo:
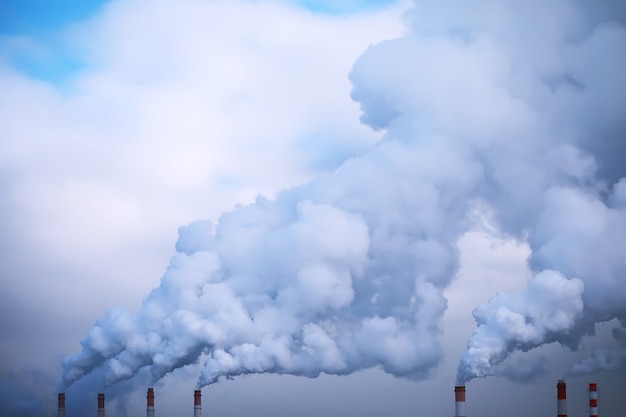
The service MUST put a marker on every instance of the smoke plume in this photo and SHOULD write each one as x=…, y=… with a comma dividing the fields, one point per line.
x=502, y=103
x=575, y=227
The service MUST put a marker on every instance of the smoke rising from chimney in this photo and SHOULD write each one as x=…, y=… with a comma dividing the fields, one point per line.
x=347, y=272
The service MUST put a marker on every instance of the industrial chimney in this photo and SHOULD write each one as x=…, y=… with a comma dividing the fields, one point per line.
x=459, y=401
x=100, y=405
x=61, y=404
x=197, y=403
x=561, y=399
x=593, y=399
x=150, y=403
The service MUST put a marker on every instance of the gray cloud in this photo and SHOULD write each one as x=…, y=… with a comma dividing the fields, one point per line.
x=612, y=359
x=20, y=395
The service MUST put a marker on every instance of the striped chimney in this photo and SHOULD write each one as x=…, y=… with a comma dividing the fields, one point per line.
x=150, y=403
x=197, y=403
x=61, y=404
x=561, y=399
x=593, y=399
x=459, y=401
x=100, y=405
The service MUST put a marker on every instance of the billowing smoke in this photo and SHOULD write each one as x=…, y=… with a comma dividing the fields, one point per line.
x=576, y=227
x=341, y=274
x=511, y=104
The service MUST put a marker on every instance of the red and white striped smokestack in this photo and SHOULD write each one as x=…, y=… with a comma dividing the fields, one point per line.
x=459, y=401
x=197, y=403
x=150, y=403
x=561, y=399
x=593, y=399
x=100, y=405
x=61, y=404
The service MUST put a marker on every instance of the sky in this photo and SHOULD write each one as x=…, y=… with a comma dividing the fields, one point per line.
x=312, y=207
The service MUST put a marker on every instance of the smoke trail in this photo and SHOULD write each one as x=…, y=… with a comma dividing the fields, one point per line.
x=347, y=272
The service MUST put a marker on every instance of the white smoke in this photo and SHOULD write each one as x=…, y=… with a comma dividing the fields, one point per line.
x=550, y=304
x=576, y=226
x=501, y=103
x=342, y=274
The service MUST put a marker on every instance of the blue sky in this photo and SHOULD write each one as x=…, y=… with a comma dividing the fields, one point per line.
x=39, y=18
x=343, y=7
x=32, y=38
x=49, y=57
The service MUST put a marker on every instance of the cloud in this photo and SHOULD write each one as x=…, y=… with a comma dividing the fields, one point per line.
x=523, y=370
x=347, y=268
x=472, y=113
x=612, y=359
x=163, y=124
x=540, y=119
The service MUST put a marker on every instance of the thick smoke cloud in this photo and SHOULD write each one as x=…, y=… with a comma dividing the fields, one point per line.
x=502, y=103
x=575, y=226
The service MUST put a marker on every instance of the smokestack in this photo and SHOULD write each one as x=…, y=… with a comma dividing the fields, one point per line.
x=100, y=405
x=459, y=401
x=61, y=404
x=197, y=403
x=150, y=403
x=593, y=399
x=561, y=399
